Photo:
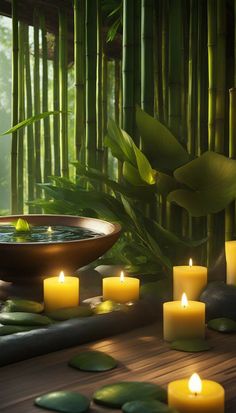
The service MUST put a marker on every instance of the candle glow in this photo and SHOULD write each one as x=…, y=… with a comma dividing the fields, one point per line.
x=184, y=301
x=61, y=277
x=190, y=262
x=122, y=277
x=49, y=230
x=195, y=384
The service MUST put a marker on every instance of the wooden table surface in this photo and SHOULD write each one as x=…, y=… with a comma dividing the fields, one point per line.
x=142, y=355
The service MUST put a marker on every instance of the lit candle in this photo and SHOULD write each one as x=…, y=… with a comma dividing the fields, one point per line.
x=191, y=279
x=49, y=230
x=60, y=292
x=183, y=319
x=196, y=396
x=230, y=252
x=121, y=289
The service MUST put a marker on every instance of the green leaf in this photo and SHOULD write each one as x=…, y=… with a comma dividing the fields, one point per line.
x=122, y=140
x=159, y=143
x=22, y=225
x=131, y=174
x=146, y=172
x=147, y=406
x=18, y=304
x=160, y=290
x=211, y=182
x=64, y=402
x=93, y=361
x=30, y=121
x=191, y=346
x=24, y=319
x=116, y=395
x=223, y=325
x=63, y=314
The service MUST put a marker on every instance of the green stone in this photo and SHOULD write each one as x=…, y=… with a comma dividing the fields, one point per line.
x=7, y=330
x=26, y=306
x=147, y=406
x=191, y=346
x=222, y=325
x=93, y=361
x=116, y=395
x=24, y=319
x=64, y=402
x=63, y=314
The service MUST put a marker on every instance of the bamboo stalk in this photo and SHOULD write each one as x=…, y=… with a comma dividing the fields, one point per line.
x=185, y=69
x=212, y=63
x=192, y=86
x=104, y=107
x=14, y=144
x=128, y=66
x=46, y=121
x=29, y=113
x=147, y=79
x=165, y=57
x=56, y=107
x=137, y=64
x=220, y=81
x=37, y=125
x=20, y=155
x=63, y=92
x=158, y=95
x=91, y=65
x=99, y=143
x=79, y=52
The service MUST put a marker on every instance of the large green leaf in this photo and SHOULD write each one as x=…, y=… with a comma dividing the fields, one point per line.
x=31, y=120
x=159, y=143
x=121, y=141
x=211, y=182
x=131, y=174
x=145, y=170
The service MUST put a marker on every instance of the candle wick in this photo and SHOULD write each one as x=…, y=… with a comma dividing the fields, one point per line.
x=195, y=394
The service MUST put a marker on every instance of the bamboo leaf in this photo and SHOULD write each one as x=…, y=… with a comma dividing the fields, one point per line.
x=22, y=225
x=210, y=181
x=29, y=121
x=131, y=174
x=145, y=170
x=122, y=140
x=159, y=144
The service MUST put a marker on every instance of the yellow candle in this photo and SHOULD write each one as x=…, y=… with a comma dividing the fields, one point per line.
x=191, y=279
x=183, y=319
x=230, y=252
x=196, y=396
x=121, y=289
x=60, y=292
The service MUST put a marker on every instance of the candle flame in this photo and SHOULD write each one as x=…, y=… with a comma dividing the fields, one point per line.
x=49, y=230
x=122, y=277
x=195, y=384
x=61, y=277
x=190, y=262
x=184, y=301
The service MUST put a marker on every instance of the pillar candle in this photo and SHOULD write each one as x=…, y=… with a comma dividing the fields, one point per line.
x=121, y=289
x=60, y=292
x=183, y=319
x=196, y=396
x=230, y=252
x=191, y=279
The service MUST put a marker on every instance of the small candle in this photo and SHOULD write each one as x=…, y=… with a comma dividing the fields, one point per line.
x=191, y=279
x=230, y=252
x=60, y=292
x=121, y=289
x=183, y=319
x=49, y=230
x=196, y=396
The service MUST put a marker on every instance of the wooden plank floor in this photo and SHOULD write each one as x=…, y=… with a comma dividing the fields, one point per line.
x=142, y=355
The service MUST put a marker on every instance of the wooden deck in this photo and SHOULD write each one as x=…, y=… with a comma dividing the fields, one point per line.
x=142, y=355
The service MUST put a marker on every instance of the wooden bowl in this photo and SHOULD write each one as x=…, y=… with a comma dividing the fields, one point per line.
x=28, y=262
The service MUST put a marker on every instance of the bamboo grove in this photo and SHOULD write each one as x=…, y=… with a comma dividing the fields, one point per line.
x=176, y=59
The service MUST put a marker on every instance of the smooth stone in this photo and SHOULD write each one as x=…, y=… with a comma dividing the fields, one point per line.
x=20, y=305
x=93, y=361
x=222, y=325
x=63, y=314
x=147, y=406
x=7, y=330
x=64, y=402
x=191, y=346
x=220, y=300
x=109, y=270
x=117, y=394
x=24, y=319
x=109, y=306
